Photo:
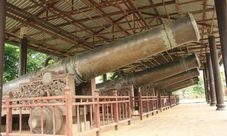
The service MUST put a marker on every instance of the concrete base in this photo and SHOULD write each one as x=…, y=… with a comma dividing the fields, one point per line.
x=212, y=104
x=220, y=107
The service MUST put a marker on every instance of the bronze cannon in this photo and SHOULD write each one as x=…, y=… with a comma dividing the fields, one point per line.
x=110, y=57
x=155, y=74
x=162, y=84
x=99, y=61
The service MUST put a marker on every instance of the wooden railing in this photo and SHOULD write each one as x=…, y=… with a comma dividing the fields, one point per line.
x=144, y=105
x=164, y=103
x=79, y=114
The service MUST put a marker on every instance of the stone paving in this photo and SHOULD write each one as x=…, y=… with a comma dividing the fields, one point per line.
x=188, y=119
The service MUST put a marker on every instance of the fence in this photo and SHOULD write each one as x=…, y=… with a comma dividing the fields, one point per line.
x=66, y=115
x=144, y=105
x=164, y=103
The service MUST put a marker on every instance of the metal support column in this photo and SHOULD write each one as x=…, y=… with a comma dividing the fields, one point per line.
x=221, y=10
x=211, y=80
x=205, y=84
x=23, y=56
x=217, y=76
x=2, y=42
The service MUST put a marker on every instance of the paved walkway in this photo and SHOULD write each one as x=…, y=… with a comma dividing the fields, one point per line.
x=188, y=119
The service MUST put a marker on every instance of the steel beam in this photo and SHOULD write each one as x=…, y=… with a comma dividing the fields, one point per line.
x=221, y=10
x=211, y=80
x=217, y=76
x=2, y=42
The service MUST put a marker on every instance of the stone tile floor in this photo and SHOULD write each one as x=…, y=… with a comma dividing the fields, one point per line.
x=186, y=119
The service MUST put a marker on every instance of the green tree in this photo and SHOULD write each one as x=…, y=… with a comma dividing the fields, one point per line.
x=11, y=61
x=199, y=88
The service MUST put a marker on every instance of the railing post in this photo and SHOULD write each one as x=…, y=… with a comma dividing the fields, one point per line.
x=160, y=101
x=8, y=114
x=170, y=101
x=140, y=104
x=68, y=105
x=97, y=112
x=129, y=108
x=147, y=105
x=116, y=109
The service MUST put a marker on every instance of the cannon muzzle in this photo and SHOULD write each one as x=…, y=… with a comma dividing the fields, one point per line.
x=112, y=56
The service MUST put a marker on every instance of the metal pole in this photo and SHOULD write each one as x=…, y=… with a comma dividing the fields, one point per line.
x=205, y=84
x=217, y=76
x=23, y=56
x=2, y=42
x=211, y=80
x=208, y=83
x=221, y=10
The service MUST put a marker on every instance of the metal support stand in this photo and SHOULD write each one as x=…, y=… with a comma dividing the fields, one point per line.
x=211, y=80
x=217, y=77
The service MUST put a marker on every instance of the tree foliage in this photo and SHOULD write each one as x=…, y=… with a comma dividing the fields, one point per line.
x=11, y=61
x=199, y=88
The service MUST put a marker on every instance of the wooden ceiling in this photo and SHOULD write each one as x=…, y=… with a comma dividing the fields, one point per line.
x=69, y=27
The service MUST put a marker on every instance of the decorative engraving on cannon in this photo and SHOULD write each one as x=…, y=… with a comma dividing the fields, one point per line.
x=39, y=87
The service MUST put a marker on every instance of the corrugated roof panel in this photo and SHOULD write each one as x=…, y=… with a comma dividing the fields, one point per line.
x=41, y=36
x=68, y=6
x=102, y=21
x=70, y=28
x=110, y=9
x=32, y=30
x=117, y=17
x=90, y=13
x=142, y=3
x=11, y=23
x=35, y=10
x=78, y=16
x=57, y=21
x=82, y=34
x=187, y=8
x=78, y=3
x=63, y=6
x=21, y=3
x=44, y=15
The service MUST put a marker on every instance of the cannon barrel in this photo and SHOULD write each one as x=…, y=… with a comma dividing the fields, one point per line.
x=181, y=87
x=176, y=79
x=155, y=74
x=112, y=56
x=187, y=81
